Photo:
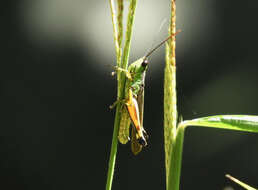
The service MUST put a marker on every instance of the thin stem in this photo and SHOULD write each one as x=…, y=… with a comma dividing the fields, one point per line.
x=121, y=77
x=112, y=159
x=126, y=49
x=117, y=33
x=172, y=30
x=114, y=23
x=129, y=29
x=120, y=4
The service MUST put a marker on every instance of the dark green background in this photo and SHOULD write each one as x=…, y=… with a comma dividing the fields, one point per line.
x=56, y=128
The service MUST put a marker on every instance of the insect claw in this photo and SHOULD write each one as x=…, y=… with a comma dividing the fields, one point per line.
x=113, y=105
x=142, y=141
x=113, y=73
x=123, y=101
x=145, y=134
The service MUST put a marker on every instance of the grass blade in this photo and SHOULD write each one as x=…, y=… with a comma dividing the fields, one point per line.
x=240, y=183
x=248, y=123
x=232, y=122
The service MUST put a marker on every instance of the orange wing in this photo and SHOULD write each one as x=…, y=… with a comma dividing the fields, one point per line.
x=133, y=110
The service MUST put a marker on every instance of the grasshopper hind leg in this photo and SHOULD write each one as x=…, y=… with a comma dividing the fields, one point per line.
x=135, y=146
x=142, y=139
x=123, y=133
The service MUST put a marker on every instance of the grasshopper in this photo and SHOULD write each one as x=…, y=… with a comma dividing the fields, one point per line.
x=133, y=102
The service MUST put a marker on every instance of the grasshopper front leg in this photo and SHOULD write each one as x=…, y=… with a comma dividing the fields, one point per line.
x=122, y=101
x=127, y=73
x=129, y=77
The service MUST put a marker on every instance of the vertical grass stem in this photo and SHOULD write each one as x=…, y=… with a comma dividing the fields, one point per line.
x=170, y=100
x=123, y=63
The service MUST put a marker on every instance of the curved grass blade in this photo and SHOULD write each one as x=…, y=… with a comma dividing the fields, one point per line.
x=248, y=123
x=240, y=183
x=232, y=122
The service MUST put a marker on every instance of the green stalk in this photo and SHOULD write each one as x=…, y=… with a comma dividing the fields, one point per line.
x=170, y=111
x=176, y=160
x=112, y=158
x=118, y=33
x=117, y=39
x=115, y=29
x=174, y=133
x=129, y=29
x=120, y=4
x=170, y=107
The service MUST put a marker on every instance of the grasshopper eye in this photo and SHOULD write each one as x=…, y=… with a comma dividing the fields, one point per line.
x=145, y=63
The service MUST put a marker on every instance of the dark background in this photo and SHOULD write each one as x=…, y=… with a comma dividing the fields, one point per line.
x=56, y=128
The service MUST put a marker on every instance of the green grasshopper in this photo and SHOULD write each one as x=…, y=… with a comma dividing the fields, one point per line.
x=132, y=110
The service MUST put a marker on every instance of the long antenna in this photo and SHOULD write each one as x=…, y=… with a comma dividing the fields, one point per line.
x=160, y=44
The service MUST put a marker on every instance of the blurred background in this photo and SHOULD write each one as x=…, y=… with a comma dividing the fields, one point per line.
x=56, y=127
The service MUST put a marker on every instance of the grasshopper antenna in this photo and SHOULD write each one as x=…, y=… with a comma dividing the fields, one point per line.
x=160, y=44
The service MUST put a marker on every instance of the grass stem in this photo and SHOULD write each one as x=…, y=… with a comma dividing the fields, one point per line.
x=123, y=63
x=173, y=137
